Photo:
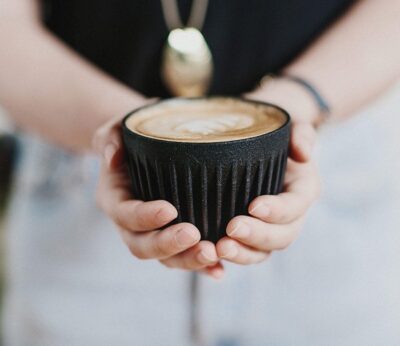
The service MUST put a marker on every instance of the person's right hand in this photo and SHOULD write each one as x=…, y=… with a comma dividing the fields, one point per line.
x=139, y=222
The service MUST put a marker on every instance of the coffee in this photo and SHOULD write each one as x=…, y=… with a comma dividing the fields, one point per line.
x=209, y=157
x=204, y=121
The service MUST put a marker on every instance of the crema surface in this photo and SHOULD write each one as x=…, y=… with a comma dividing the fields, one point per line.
x=205, y=120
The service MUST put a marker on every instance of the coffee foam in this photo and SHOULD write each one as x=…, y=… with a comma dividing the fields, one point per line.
x=205, y=120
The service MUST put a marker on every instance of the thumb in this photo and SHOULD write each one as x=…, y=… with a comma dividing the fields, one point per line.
x=107, y=143
x=302, y=141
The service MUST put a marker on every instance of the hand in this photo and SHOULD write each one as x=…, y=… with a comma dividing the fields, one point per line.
x=276, y=221
x=303, y=112
x=139, y=222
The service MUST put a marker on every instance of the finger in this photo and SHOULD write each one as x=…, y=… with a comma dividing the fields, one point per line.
x=263, y=236
x=114, y=198
x=301, y=192
x=162, y=244
x=302, y=141
x=235, y=252
x=197, y=257
x=216, y=271
x=137, y=215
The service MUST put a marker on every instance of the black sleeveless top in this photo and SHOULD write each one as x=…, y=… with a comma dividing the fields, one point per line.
x=248, y=38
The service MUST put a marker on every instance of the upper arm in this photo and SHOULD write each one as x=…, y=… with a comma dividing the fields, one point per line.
x=24, y=11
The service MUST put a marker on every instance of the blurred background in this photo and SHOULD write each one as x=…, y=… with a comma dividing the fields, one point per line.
x=8, y=154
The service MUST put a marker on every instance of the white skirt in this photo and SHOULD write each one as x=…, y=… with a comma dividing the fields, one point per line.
x=71, y=281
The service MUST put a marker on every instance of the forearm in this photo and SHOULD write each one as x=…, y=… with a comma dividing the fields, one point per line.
x=357, y=58
x=350, y=64
x=48, y=89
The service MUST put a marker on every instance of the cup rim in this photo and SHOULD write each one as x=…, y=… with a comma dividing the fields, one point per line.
x=238, y=98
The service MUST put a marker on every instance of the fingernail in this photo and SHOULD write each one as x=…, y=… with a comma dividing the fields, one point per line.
x=232, y=252
x=203, y=257
x=109, y=152
x=240, y=231
x=260, y=210
x=185, y=238
x=217, y=274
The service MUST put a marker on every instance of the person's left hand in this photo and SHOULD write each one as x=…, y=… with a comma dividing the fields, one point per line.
x=276, y=220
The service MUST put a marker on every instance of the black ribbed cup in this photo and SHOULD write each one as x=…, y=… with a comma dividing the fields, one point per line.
x=208, y=183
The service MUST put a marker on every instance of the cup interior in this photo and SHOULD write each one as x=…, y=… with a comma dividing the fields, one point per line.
x=205, y=120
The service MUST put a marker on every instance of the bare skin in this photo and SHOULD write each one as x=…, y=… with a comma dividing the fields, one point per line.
x=60, y=90
x=49, y=89
x=275, y=221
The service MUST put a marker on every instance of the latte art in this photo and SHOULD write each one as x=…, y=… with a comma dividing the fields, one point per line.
x=211, y=120
x=220, y=123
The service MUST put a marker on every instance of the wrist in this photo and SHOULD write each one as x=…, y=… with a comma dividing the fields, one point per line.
x=117, y=103
x=292, y=97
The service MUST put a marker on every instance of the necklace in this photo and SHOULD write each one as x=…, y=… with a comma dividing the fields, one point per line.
x=187, y=63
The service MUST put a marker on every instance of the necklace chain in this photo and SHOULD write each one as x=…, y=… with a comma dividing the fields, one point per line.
x=173, y=18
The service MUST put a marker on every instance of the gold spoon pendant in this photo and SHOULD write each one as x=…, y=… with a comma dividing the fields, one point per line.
x=187, y=64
